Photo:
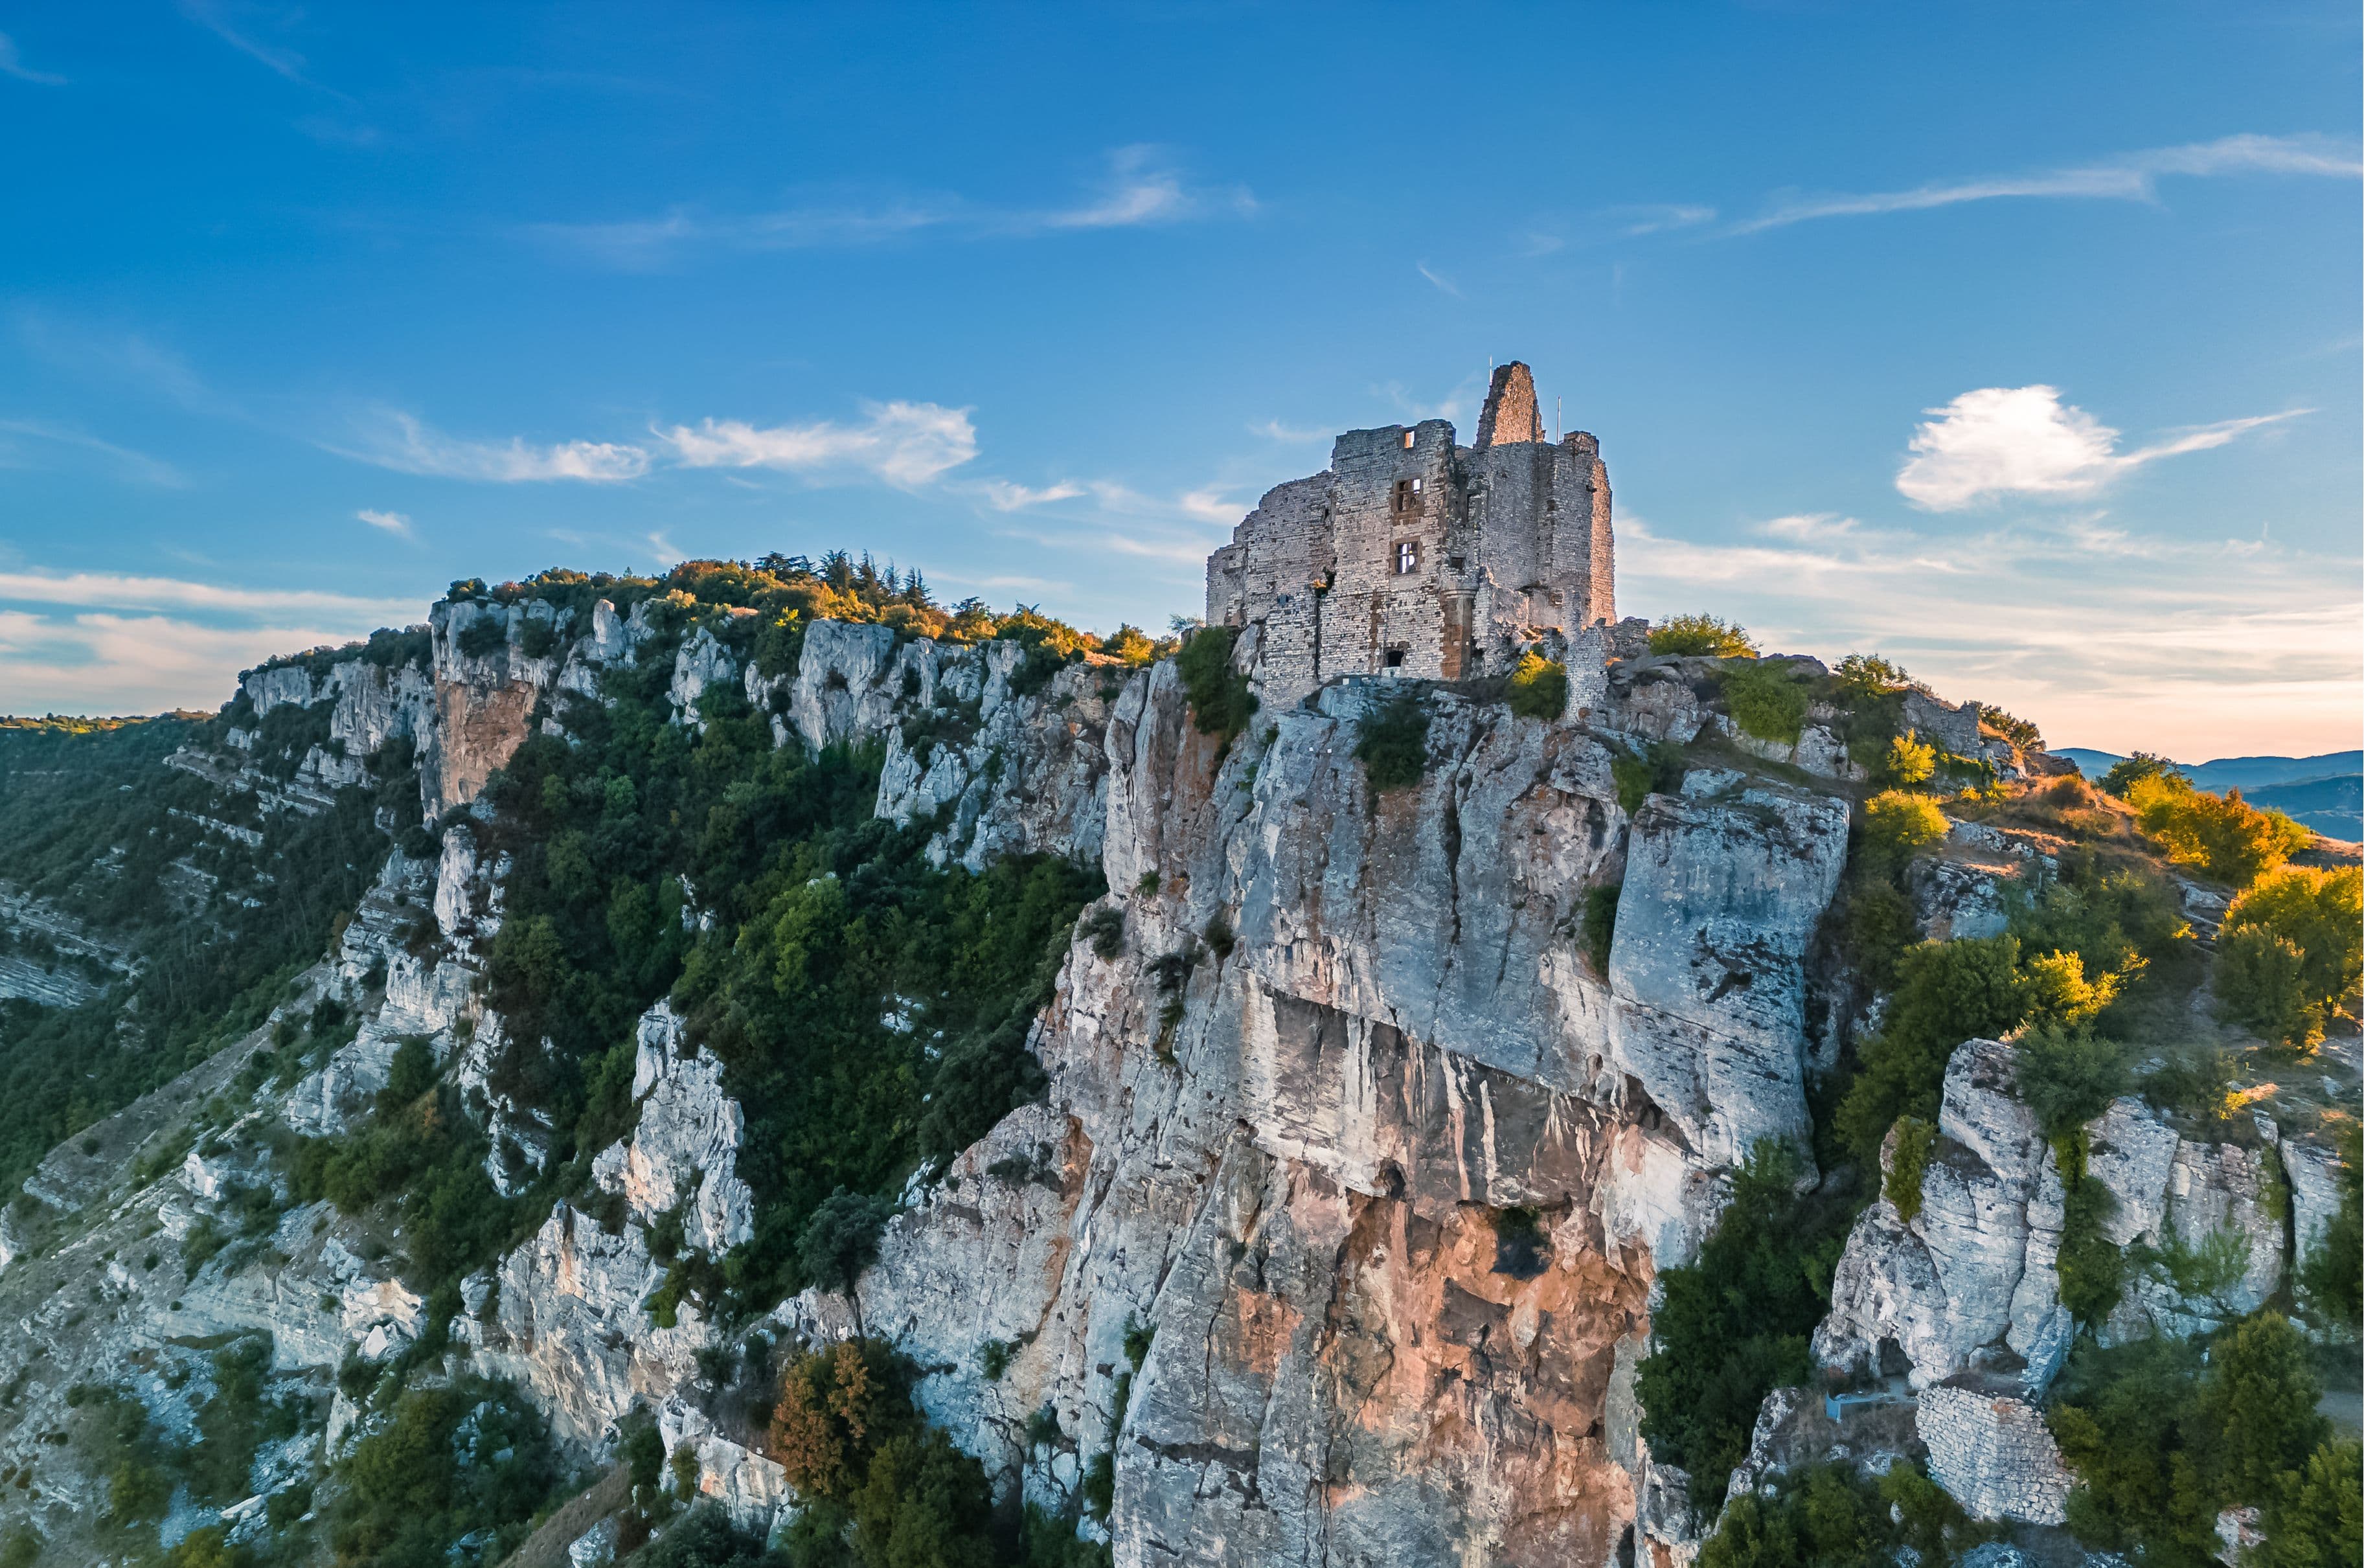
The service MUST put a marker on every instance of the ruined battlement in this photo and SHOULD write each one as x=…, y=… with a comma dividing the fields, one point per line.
x=1413, y=556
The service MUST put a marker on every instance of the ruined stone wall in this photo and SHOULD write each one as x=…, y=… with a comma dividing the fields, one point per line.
x=1510, y=535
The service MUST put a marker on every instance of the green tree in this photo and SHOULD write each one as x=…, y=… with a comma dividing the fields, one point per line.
x=1392, y=743
x=1766, y=701
x=2069, y=1075
x=1947, y=993
x=2259, y=1401
x=1734, y=1323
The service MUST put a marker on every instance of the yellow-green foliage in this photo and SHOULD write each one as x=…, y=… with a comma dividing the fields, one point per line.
x=1896, y=825
x=1908, y=761
x=2319, y=912
x=1766, y=701
x=1539, y=687
x=2224, y=835
x=2261, y=985
x=1702, y=634
x=2060, y=992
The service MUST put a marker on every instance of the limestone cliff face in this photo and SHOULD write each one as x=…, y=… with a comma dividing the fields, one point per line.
x=1348, y=1133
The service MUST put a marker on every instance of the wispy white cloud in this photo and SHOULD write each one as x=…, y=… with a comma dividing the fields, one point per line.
x=2132, y=177
x=905, y=444
x=1997, y=441
x=17, y=434
x=2199, y=648
x=214, y=15
x=1004, y=495
x=1139, y=187
x=393, y=523
x=390, y=438
x=125, y=591
x=1635, y=221
x=12, y=64
x=1272, y=429
x=131, y=359
x=1444, y=284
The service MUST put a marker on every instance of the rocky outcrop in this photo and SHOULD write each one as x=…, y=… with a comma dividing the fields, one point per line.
x=1724, y=888
x=683, y=1154
x=1968, y=1284
x=2203, y=1221
x=1350, y=1186
x=483, y=702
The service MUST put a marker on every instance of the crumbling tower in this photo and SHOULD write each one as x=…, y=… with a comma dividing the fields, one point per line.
x=1413, y=556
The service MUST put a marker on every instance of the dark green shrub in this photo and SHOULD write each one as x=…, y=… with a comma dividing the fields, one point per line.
x=1600, y=923
x=1220, y=702
x=2069, y=1075
x=1829, y=1517
x=1907, y=1162
x=1392, y=744
x=1538, y=687
x=2261, y=986
x=841, y=1238
x=1104, y=929
x=538, y=637
x=1659, y=770
x=1947, y=993
x=1734, y=1323
x=449, y=1462
x=484, y=634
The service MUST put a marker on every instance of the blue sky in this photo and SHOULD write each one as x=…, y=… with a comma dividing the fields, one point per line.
x=2020, y=342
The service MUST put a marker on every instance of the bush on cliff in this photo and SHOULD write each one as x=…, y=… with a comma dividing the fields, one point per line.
x=1538, y=687
x=1702, y=634
x=1897, y=826
x=1766, y=701
x=1734, y=1324
x=466, y=1458
x=2293, y=950
x=2225, y=836
x=1830, y=1517
x=1392, y=744
x=1220, y=703
x=1946, y=993
x=1656, y=770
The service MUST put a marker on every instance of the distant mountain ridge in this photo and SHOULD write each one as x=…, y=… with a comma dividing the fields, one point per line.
x=2325, y=791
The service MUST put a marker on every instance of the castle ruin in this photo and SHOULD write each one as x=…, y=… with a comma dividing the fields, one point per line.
x=1414, y=557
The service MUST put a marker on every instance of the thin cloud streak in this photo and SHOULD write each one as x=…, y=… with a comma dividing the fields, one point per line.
x=123, y=591
x=2133, y=177
x=135, y=465
x=1139, y=190
x=12, y=64
x=391, y=439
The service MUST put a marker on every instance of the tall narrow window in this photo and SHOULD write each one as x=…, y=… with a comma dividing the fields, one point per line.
x=1407, y=558
x=1406, y=441
x=1406, y=495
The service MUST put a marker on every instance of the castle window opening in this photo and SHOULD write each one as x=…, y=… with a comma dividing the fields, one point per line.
x=1415, y=486
x=1404, y=491
x=1395, y=658
x=1454, y=563
x=1406, y=441
x=1407, y=558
